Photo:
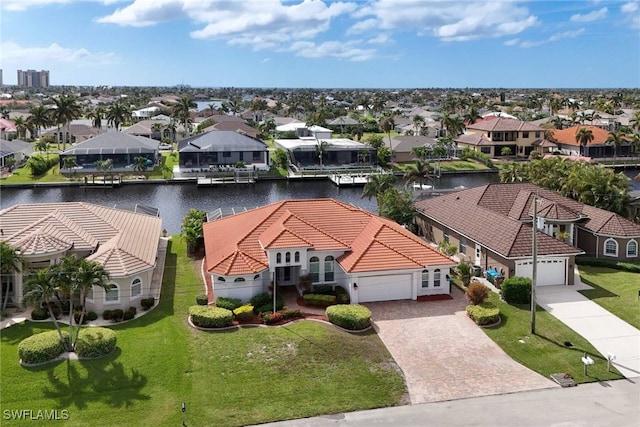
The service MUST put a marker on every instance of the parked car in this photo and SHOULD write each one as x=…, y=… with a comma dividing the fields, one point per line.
x=165, y=146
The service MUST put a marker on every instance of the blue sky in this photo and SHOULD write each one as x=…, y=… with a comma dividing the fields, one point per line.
x=324, y=44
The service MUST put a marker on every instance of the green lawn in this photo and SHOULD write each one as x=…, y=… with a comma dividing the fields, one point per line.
x=23, y=176
x=446, y=166
x=615, y=290
x=247, y=376
x=545, y=351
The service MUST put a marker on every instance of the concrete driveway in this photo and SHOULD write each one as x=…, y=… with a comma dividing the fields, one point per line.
x=444, y=355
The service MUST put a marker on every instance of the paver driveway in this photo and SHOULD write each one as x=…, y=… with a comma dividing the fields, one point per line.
x=444, y=355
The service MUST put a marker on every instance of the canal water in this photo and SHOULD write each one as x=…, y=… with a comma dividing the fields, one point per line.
x=175, y=200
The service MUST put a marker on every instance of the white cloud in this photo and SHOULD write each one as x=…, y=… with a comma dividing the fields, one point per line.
x=511, y=42
x=380, y=39
x=334, y=49
x=447, y=20
x=22, y=5
x=13, y=53
x=589, y=17
x=630, y=7
x=265, y=60
x=554, y=38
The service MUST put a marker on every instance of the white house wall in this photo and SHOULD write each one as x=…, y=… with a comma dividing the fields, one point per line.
x=242, y=290
x=125, y=299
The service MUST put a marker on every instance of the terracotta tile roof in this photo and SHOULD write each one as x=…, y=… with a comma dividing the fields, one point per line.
x=504, y=124
x=474, y=139
x=568, y=136
x=371, y=243
x=124, y=242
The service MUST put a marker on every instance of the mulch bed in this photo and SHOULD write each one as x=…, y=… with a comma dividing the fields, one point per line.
x=434, y=297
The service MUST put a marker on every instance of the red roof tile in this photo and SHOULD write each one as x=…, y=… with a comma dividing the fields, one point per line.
x=568, y=136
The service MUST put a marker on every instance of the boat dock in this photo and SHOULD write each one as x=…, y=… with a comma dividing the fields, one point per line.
x=348, y=179
x=212, y=182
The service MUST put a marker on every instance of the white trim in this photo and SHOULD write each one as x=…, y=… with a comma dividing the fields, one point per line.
x=112, y=286
x=131, y=288
x=605, y=252
x=627, y=249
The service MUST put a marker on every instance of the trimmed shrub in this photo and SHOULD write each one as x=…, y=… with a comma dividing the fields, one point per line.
x=228, y=303
x=91, y=316
x=244, y=313
x=476, y=293
x=352, y=317
x=39, y=313
x=342, y=296
x=95, y=342
x=147, y=303
x=268, y=306
x=129, y=314
x=261, y=299
x=608, y=263
x=323, y=289
x=106, y=315
x=117, y=315
x=210, y=317
x=516, y=290
x=202, y=299
x=319, y=299
x=291, y=314
x=42, y=347
x=77, y=315
x=484, y=314
x=271, y=318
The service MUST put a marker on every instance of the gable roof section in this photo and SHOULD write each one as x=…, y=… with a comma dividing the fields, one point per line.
x=474, y=139
x=371, y=243
x=504, y=124
x=124, y=242
x=608, y=223
x=113, y=143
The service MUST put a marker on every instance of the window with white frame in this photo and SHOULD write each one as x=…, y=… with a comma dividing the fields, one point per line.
x=220, y=279
x=296, y=256
x=632, y=249
x=287, y=257
x=328, y=269
x=136, y=287
x=610, y=247
x=314, y=269
x=239, y=279
x=112, y=294
x=446, y=235
x=463, y=245
x=425, y=278
x=278, y=258
x=436, y=278
x=90, y=294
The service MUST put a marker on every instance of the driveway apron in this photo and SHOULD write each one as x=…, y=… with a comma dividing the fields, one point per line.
x=444, y=355
x=605, y=331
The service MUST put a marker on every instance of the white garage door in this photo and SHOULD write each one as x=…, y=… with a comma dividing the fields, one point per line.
x=550, y=271
x=384, y=288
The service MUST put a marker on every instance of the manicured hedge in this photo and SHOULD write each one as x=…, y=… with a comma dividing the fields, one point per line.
x=609, y=263
x=271, y=318
x=484, y=314
x=264, y=302
x=244, y=313
x=352, y=317
x=228, y=303
x=95, y=342
x=147, y=303
x=206, y=316
x=261, y=299
x=202, y=299
x=42, y=347
x=40, y=313
x=342, y=296
x=319, y=299
x=516, y=290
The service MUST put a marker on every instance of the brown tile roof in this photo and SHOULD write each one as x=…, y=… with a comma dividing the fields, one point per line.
x=124, y=242
x=504, y=124
x=371, y=243
x=474, y=139
x=609, y=223
x=568, y=136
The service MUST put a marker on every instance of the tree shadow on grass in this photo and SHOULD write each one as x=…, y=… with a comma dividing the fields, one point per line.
x=597, y=291
x=104, y=380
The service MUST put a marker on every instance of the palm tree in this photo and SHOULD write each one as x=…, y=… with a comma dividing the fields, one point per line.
x=377, y=185
x=583, y=137
x=418, y=123
x=181, y=111
x=387, y=123
x=42, y=146
x=454, y=125
x=69, y=162
x=96, y=115
x=39, y=118
x=140, y=164
x=192, y=228
x=11, y=263
x=157, y=128
x=66, y=110
x=117, y=114
x=40, y=290
x=321, y=149
x=87, y=274
x=635, y=121
x=616, y=138
x=472, y=116
x=418, y=171
x=21, y=125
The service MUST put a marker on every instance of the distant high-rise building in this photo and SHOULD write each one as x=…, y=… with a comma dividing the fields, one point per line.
x=33, y=78
x=1, y=83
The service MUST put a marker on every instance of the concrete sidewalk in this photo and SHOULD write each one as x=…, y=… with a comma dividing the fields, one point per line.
x=606, y=332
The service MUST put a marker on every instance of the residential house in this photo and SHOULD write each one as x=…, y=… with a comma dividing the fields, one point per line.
x=402, y=146
x=373, y=258
x=338, y=153
x=75, y=133
x=492, y=227
x=124, y=243
x=596, y=148
x=301, y=130
x=222, y=148
x=493, y=134
x=14, y=153
x=119, y=147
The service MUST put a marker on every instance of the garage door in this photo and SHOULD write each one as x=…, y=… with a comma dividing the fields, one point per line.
x=550, y=271
x=384, y=288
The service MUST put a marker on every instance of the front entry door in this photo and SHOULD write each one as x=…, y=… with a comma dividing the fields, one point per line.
x=478, y=254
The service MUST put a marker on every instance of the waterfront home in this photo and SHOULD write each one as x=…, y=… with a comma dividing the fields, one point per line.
x=121, y=148
x=75, y=132
x=597, y=147
x=402, y=146
x=221, y=148
x=301, y=130
x=125, y=243
x=493, y=134
x=309, y=153
x=492, y=227
x=373, y=258
x=14, y=153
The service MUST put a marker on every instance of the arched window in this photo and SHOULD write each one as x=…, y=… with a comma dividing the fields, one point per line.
x=436, y=278
x=314, y=269
x=328, y=269
x=632, y=249
x=90, y=294
x=296, y=257
x=256, y=277
x=278, y=258
x=220, y=279
x=112, y=294
x=287, y=257
x=425, y=278
x=136, y=287
x=610, y=247
x=239, y=279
